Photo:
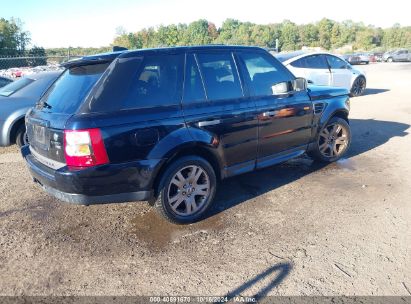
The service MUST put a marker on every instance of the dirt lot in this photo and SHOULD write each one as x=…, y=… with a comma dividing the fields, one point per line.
x=294, y=229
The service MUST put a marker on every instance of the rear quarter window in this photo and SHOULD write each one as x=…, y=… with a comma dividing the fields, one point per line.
x=138, y=82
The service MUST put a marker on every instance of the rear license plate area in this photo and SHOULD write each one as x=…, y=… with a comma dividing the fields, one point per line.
x=39, y=133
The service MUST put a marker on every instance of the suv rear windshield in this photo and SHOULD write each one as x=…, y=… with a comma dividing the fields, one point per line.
x=69, y=91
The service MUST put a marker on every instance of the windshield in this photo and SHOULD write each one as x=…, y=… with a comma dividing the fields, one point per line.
x=15, y=86
x=69, y=91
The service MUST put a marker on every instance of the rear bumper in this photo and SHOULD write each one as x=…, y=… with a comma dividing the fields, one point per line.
x=112, y=183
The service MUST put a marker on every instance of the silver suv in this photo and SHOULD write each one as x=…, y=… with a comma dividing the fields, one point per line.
x=398, y=55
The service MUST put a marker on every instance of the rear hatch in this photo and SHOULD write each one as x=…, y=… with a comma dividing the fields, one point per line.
x=46, y=121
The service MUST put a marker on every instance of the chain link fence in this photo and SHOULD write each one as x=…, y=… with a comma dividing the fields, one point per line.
x=14, y=67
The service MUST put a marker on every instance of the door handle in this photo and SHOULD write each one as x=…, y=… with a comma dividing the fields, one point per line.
x=209, y=123
x=269, y=114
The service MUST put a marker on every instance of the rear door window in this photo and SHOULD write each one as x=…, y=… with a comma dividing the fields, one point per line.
x=157, y=83
x=193, y=87
x=220, y=75
x=263, y=72
x=316, y=62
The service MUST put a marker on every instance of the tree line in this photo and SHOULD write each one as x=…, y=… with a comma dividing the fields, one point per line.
x=14, y=42
x=326, y=33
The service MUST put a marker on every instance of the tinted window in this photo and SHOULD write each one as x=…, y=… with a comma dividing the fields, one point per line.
x=336, y=63
x=286, y=56
x=4, y=81
x=220, y=76
x=138, y=82
x=68, y=92
x=300, y=63
x=193, y=87
x=15, y=86
x=264, y=72
x=316, y=62
x=156, y=83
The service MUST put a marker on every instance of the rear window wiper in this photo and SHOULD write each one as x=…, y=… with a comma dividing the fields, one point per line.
x=45, y=105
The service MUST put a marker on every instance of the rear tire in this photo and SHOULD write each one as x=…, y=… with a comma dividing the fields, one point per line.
x=21, y=136
x=332, y=142
x=186, y=190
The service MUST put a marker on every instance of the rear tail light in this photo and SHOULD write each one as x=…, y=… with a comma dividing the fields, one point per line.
x=84, y=148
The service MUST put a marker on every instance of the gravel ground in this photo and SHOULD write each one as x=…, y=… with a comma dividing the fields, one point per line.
x=294, y=229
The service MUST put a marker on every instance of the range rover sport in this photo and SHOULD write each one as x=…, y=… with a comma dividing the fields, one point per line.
x=165, y=125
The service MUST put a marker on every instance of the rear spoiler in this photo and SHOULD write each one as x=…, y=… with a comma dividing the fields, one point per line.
x=95, y=59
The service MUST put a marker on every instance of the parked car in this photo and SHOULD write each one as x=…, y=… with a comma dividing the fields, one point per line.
x=364, y=57
x=358, y=58
x=325, y=69
x=377, y=56
x=16, y=99
x=167, y=124
x=4, y=81
x=352, y=59
x=398, y=55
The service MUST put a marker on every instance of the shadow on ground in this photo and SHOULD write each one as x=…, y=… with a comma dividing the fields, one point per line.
x=281, y=270
x=367, y=134
x=371, y=91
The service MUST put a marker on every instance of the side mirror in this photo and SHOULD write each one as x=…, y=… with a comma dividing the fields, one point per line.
x=282, y=88
x=299, y=84
x=288, y=87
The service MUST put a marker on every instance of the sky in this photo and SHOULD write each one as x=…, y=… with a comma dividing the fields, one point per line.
x=93, y=23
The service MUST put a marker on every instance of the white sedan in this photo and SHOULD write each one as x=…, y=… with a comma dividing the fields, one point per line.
x=325, y=69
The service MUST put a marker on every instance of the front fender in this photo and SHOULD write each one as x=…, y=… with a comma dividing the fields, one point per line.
x=332, y=106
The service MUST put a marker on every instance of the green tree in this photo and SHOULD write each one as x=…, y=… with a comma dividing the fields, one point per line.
x=168, y=35
x=326, y=33
x=13, y=40
x=228, y=31
x=309, y=35
x=38, y=55
x=325, y=27
x=290, y=38
x=197, y=33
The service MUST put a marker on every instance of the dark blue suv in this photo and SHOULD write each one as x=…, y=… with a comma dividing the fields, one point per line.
x=165, y=125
